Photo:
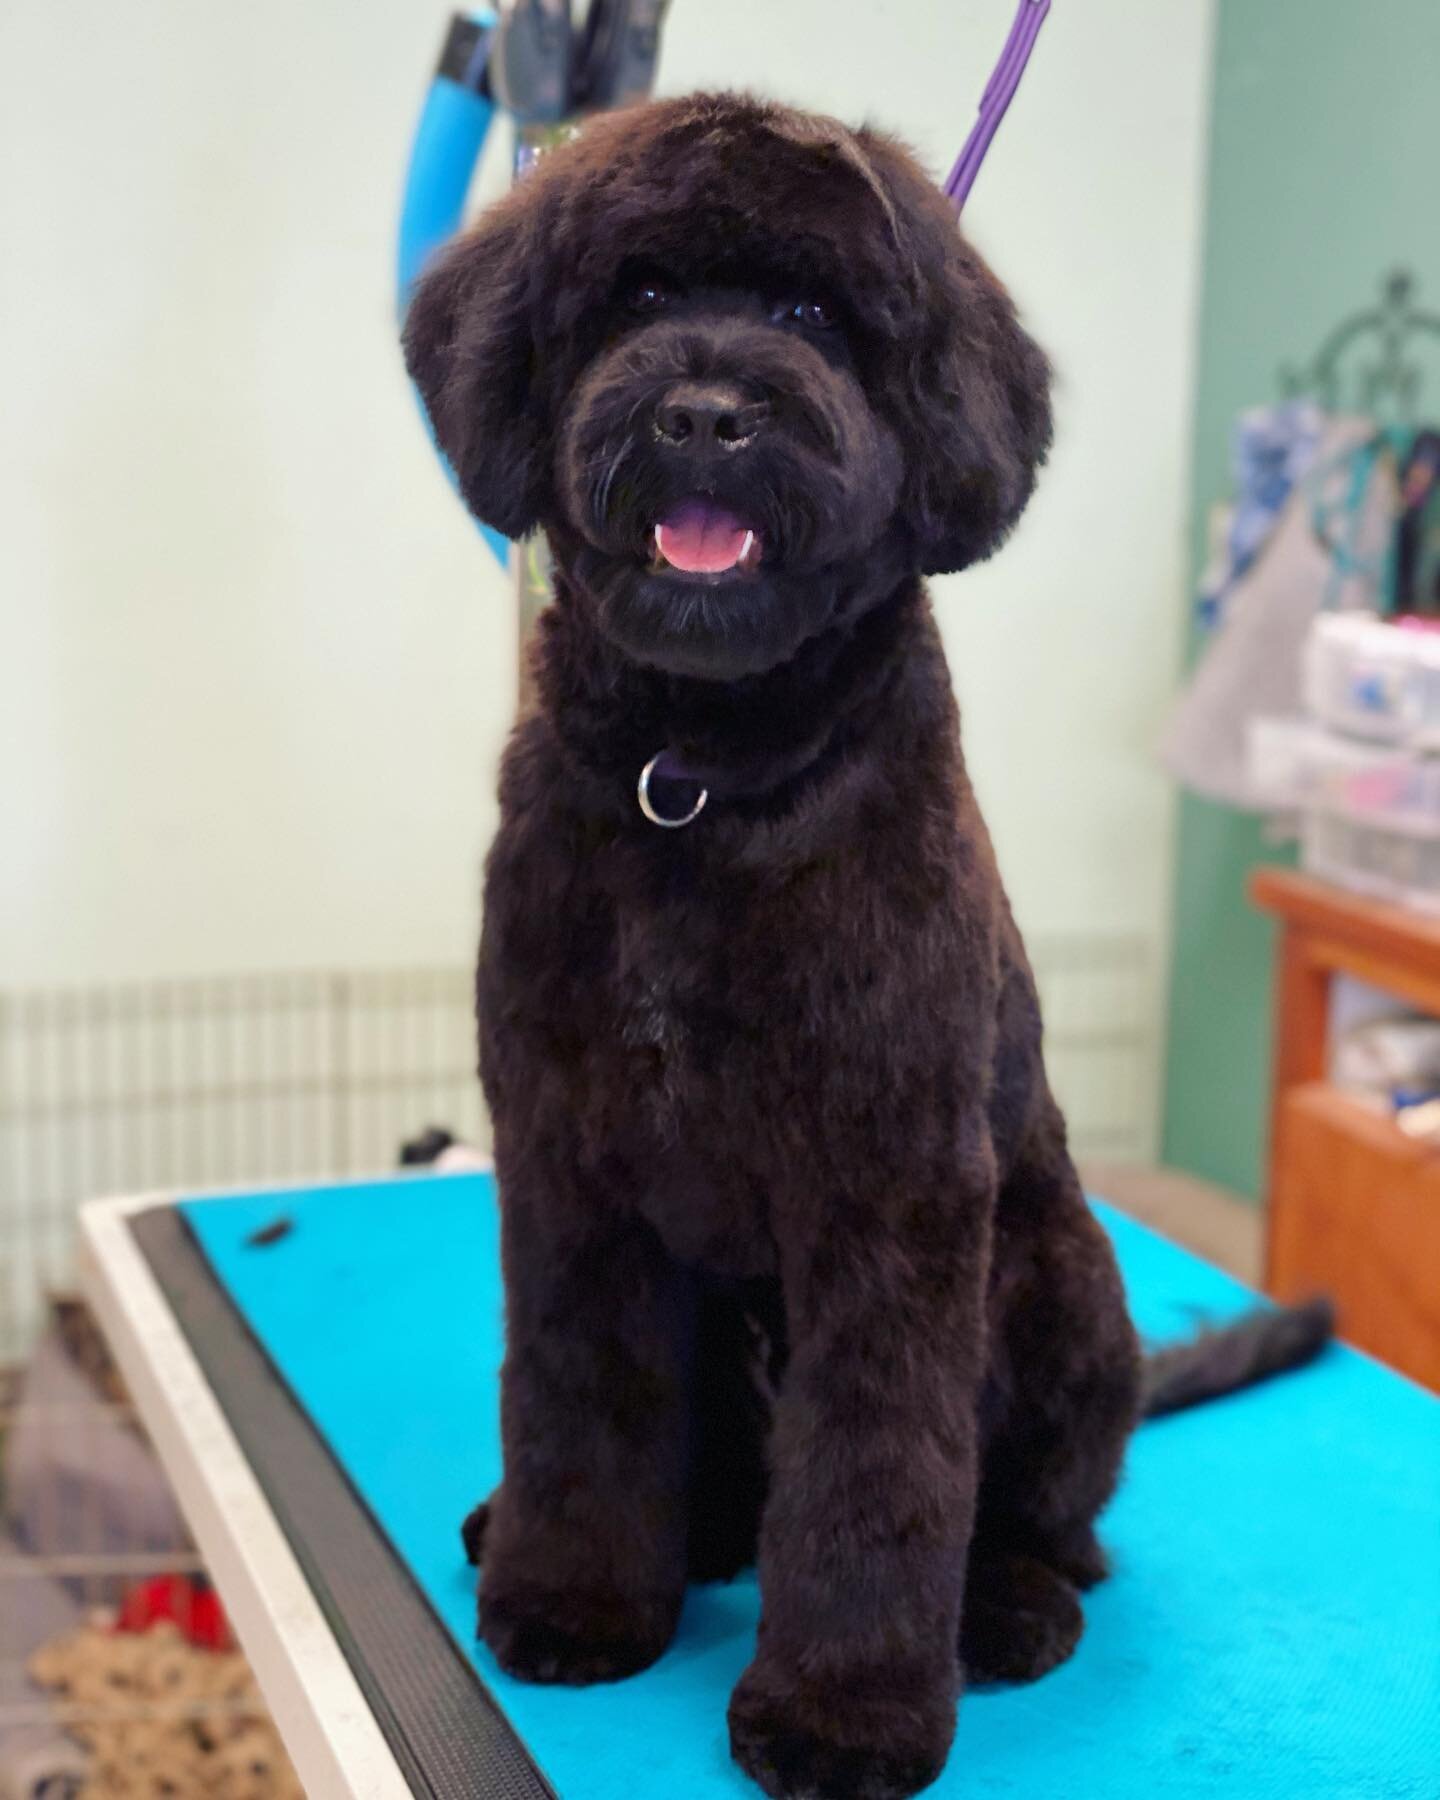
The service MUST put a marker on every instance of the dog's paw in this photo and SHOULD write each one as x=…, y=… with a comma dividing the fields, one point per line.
x=573, y=1638
x=472, y=1534
x=1021, y=1620
x=800, y=1743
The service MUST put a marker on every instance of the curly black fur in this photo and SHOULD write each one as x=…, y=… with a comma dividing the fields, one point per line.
x=797, y=1264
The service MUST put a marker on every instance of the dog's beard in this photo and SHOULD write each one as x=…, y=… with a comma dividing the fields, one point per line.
x=798, y=515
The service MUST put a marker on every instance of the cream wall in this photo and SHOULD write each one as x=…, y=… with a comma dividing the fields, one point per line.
x=257, y=667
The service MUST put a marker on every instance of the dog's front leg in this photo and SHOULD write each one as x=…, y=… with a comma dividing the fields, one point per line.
x=585, y=1542
x=854, y=1686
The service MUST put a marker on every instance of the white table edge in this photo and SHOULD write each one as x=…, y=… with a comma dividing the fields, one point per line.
x=334, y=1741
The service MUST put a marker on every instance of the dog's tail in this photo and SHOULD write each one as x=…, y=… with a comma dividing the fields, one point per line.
x=1259, y=1344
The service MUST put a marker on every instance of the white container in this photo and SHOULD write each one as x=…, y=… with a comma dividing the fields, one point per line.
x=1287, y=761
x=1393, y=857
x=1292, y=763
x=1374, y=679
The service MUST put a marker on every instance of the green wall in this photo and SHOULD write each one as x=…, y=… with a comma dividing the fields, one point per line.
x=1324, y=176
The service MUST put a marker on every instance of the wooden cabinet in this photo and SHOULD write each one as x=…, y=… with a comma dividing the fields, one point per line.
x=1353, y=1205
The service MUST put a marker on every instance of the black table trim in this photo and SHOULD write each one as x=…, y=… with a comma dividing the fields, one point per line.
x=445, y=1728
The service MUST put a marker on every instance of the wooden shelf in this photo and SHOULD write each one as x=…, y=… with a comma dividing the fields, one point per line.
x=1353, y=1203
x=1356, y=1213
x=1346, y=933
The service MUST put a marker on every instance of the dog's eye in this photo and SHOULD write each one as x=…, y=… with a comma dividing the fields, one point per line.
x=814, y=313
x=648, y=296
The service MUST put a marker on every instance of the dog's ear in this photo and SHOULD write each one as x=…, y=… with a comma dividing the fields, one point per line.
x=979, y=403
x=471, y=351
x=969, y=389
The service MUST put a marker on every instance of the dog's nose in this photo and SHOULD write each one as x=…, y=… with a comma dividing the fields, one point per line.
x=705, y=415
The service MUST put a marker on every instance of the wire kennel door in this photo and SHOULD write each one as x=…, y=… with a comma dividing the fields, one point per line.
x=1101, y=1007
x=202, y=1083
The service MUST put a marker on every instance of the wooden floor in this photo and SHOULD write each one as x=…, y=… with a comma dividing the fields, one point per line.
x=1212, y=1222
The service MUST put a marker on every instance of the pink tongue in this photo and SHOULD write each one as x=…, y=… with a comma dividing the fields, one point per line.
x=701, y=538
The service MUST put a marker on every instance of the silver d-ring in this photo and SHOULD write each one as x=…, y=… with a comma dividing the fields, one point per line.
x=647, y=806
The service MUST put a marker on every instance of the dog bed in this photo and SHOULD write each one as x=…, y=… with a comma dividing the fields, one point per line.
x=1270, y=1628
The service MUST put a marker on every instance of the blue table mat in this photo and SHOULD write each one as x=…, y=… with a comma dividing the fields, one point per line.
x=1272, y=1627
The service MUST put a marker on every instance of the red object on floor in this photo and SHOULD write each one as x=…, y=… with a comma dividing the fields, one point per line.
x=193, y=1606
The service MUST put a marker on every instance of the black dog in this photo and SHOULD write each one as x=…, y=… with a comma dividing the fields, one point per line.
x=796, y=1260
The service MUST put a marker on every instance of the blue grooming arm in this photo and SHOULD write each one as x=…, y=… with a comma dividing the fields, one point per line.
x=449, y=137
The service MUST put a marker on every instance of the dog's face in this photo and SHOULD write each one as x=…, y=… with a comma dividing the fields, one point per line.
x=741, y=365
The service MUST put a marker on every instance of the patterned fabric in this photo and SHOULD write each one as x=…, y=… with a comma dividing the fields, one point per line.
x=1272, y=447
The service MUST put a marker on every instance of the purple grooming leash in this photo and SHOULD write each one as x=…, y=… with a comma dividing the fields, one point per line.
x=996, y=99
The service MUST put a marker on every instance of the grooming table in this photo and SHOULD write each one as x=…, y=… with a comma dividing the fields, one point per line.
x=318, y=1369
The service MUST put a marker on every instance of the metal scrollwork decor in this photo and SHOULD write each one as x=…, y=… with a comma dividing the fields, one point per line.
x=1372, y=363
